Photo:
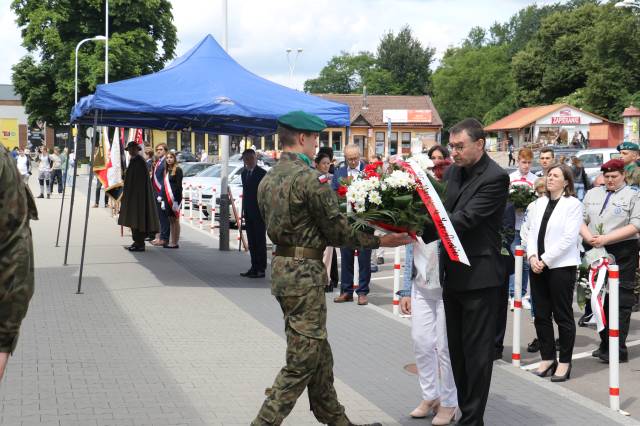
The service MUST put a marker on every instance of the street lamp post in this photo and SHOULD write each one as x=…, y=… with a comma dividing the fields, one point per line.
x=75, y=151
x=292, y=66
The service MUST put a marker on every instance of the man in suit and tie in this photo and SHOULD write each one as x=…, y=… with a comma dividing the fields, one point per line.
x=254, y=224
x=477, y=190
x=353, y=167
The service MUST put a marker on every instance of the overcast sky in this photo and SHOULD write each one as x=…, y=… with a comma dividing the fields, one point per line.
x=261, y=30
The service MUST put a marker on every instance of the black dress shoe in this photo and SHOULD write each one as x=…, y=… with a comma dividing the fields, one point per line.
x=134, y=247
x=604, y=357
x=534, y=346
x=248, y=273
x=566, y=376
x=258, y=274
x=550, y=370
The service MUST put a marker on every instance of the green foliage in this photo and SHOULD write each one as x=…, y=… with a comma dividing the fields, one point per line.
x=474, y=82
x=400, y=67
x=142, y=38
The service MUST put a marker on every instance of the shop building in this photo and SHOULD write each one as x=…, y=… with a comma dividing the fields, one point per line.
x=557, y=124
x=13, y=118
x=385, y=125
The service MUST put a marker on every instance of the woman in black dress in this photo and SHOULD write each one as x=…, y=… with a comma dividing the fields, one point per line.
x=172, y=198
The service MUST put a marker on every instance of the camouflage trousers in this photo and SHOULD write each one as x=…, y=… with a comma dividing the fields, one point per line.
x=309, y=364
x=16, y=288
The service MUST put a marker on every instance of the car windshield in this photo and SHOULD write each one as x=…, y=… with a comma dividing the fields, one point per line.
x=212, y=171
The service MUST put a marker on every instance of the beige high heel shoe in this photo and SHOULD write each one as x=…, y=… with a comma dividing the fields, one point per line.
x=425, y=408
x=445, y=416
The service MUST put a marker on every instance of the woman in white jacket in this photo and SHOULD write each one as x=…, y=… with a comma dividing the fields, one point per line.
x=553, y=253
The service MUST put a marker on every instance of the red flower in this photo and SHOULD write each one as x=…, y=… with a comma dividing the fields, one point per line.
x=342, y=191
x=373, y=169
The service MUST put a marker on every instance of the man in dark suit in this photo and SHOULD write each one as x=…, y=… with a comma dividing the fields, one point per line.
x=254, y=224
x=477, y=191
x=354, y=165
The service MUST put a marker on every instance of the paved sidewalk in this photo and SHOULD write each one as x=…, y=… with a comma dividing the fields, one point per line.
x=177, y=337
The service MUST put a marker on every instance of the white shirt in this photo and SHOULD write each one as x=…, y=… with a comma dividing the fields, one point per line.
x=22, y=163
x=529, y=179
x=44, y=163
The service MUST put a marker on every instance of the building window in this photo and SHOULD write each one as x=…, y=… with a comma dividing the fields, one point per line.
x=172, y=140
x=393, y=143
x=380, y=143
x=324, y=138
x=406, y=142
x=269, y=143
x=185, y=140
x=213, y=144
x=199, y=142
x=336, y=141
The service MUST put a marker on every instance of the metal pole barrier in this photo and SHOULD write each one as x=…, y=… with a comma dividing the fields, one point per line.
x=73, y=196
x=212, y=225
x=240, y=224
x=184, y=191
x=72, y=131
x=200, y=216
x=517, y=306
x=86, y=215
x=614, y=344
x=396, y=281
x=190, y=205
x=356, y=272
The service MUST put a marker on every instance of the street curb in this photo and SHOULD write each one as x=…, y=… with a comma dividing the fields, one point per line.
x=569, y=394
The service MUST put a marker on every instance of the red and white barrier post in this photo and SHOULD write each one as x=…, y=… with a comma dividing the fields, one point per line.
x=396, y=281
x=213, y=210
x=356, y=272
x=184, y=193
x=517, y=306
x=614, y=338
x=191, y=204
x=200, y=215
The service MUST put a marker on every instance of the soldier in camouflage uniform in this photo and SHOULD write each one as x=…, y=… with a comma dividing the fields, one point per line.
x=630, y=154
x=17, y=207
x=302, y=217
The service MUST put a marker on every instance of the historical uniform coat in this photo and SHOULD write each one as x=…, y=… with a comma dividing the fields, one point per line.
x=16, y=250
x=138, y=207
x=301, y=211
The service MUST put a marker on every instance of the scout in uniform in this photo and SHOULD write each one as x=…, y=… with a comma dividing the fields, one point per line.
x=302, y=217
x=16, y=248
x=612, y=221
x=630, y=154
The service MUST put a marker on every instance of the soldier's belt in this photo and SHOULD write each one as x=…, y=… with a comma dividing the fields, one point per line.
x=299, y=252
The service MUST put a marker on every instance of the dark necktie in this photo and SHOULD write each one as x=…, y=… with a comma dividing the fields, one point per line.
x=606, y=201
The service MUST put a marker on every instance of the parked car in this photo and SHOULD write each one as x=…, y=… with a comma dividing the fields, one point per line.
x=185, y=157
x=193, y=168
x=593, y=159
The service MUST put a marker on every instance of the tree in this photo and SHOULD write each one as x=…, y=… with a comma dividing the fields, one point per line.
x=142, y=38
x=474, y=82
x=345, y=73
x=408, y=63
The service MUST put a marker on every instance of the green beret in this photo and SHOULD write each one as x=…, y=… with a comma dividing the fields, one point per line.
x=300, y=120
x=628, y=146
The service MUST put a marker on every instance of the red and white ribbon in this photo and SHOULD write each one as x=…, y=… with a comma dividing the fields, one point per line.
x=175, y=207
x=157, y=185
x=438, y=213
x=597, y=275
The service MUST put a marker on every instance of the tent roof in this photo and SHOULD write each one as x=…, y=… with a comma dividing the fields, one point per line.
x=204, y=90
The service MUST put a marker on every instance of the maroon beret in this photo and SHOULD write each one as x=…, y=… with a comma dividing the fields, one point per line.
x=615, y=165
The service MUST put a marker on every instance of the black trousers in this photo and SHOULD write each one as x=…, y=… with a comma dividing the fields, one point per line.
x=257, y=239
x=165, y=227
x=56, y=175
x=333, y=275
x=553, y=292
x=470, y=316
x=138, y=237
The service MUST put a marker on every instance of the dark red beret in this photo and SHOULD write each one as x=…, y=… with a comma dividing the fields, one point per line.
x=615, y=165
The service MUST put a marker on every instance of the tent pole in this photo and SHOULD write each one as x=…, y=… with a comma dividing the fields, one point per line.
x=73, y=195
x=64, y=184
x=224, y=194
x=86, y=215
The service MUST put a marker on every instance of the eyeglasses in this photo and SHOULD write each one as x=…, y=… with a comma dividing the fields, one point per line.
x=457, y=147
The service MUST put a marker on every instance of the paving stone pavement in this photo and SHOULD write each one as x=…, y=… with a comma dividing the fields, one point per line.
x=172, y=337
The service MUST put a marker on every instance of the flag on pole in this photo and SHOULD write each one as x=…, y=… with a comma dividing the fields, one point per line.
x=106, y=165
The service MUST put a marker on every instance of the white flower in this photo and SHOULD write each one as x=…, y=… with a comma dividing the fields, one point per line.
x=374, y=198
x=423, y=161
x=400, y=179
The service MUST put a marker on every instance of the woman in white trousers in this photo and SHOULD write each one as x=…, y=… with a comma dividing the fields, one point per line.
x=422, y=298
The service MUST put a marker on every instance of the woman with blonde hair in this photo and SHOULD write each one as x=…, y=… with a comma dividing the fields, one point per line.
x=172, y=198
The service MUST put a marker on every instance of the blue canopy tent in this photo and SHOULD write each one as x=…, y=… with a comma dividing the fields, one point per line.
x=203, y=90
